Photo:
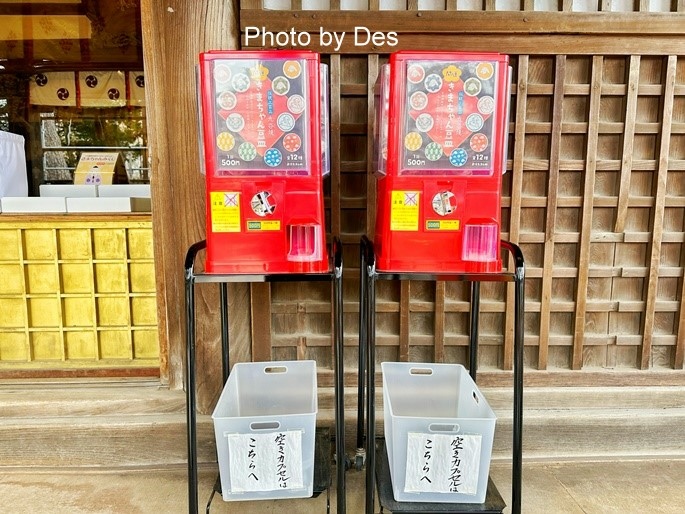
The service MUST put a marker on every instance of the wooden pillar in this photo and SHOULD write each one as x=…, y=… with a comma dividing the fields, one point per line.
x=174, y=33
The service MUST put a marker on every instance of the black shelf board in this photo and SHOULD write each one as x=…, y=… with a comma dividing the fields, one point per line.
x=494, y=503
x=322, y=463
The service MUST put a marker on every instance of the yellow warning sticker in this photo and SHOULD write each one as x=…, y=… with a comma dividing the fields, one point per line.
x=253, y=226
x=225, y=211
x=442, y=224
x=404, y=211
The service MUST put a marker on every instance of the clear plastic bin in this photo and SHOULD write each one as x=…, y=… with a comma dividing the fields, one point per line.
x=438, y=432
x=264, y=425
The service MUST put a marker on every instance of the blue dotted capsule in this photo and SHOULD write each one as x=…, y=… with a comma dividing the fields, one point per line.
x=273, y=157
x=458, y=157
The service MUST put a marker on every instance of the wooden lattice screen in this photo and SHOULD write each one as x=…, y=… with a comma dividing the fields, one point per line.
x=594, y=191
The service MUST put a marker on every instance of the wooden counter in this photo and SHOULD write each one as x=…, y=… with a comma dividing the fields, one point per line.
x=77, y=296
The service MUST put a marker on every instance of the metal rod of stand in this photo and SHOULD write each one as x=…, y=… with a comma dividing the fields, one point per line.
x=473, y=336
x=517, y=464
x=190, y=376
x=361, y=382
x=339, y=389
x=225, y=361
x=519, y=311
x=190, y=393
x=370, y=392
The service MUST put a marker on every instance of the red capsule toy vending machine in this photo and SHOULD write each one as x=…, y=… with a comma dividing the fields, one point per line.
x=264, y=132
x=441, y=129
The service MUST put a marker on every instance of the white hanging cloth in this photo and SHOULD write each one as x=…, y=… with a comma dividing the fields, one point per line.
x=13, y=179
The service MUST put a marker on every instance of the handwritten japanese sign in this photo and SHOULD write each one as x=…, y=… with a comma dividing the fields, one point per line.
x=442, y=463
x=265, y=462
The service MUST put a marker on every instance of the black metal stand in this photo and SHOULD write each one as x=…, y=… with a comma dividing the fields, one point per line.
x=192, y=278
x=367, y=329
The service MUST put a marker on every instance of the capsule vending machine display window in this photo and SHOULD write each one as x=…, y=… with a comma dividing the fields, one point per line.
x=441, y=129
x=264, y=135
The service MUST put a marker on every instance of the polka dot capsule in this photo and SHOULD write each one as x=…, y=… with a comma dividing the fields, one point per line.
x=413, y=141
x=433, y=151
x=292, y=142
x=479, y=142
x=225, y=141
x=247, y=151
x=458, y=157
x=273, y=157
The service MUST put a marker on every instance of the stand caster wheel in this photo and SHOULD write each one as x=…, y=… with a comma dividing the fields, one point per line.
x=359, y=459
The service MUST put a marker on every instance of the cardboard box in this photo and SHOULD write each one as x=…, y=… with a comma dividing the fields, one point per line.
x=96, y=168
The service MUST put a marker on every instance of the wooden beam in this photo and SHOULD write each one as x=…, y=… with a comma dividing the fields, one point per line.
x=178, y=200
x=260, y=306
x=405, y=296
x=658, y=212
x=77, y=373
x=469, y=22
x=586, y=223
x=371, y=180
x=439, y=329
x=335, y=125
x=516, y=190
x=550, y=223
x=679, y=353
x=558, y=378
x=532, y=44
x=628, y=140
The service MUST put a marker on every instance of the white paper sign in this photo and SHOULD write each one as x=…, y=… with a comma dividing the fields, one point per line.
x=442, y=463
x=265, y=462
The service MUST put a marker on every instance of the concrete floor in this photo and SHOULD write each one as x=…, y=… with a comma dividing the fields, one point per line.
x=645, y=486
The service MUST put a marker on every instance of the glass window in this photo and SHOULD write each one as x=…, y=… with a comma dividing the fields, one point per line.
x=72, y=81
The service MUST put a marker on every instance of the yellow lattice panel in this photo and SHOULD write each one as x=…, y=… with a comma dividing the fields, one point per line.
x=9, y=245
x=77, y=277
x=77, y=292
x=13, y=346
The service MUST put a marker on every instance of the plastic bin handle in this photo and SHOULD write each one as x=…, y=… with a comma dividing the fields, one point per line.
x=421, y=371
x=275, y=369
x=444, y=427
x=265, y=425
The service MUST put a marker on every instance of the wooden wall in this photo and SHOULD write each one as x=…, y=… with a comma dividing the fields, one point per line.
x=594, y=192
x=175, y=32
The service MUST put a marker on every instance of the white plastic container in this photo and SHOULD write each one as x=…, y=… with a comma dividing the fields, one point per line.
x=264, y=424
x=438, y=433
